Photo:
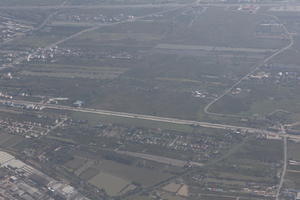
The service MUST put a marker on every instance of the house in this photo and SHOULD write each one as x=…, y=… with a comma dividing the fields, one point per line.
x=78, y=103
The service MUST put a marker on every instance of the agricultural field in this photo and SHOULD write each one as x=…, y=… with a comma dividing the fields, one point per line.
x=242, y=172
x=154, y=84
x=30, y=2
x=265, y=97
x=136, y=65
x=114, y=177
x=44, y=37
x=254, y=163
x=9, y=141
x=133, y=2
x=71, y=71
x=293, y=168
x=75, y=75
x=270, y=91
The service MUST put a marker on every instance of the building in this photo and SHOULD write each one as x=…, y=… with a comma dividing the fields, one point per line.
x=78, y=103
x=298, y=196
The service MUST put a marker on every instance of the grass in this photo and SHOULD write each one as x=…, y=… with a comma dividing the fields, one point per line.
x=263, y=98
x=91, y=167
x=118, y=2
x=29, y=2
x=45, y=37
x=254, y=162
x=112, y=37
x=139, y=197
x=89, y=173
x=113, y=176
x=183, y=80
x=163, y=83
x=293, y=151
x=61, y=139
x=10, y=141
x=76, y=163
x=5, y=138
x=292, y=180
x=145, y=177
x=110, y=183
x=72, y=71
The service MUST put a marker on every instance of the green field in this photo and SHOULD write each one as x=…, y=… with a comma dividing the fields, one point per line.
x=29, y=2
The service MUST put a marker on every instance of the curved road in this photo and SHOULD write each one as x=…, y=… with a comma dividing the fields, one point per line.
x=21, y=59
x=284, y=164
x=258, y=66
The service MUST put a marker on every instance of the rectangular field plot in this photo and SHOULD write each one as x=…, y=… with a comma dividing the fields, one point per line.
x=71, y=71
x=113, y=185
x=211, y=48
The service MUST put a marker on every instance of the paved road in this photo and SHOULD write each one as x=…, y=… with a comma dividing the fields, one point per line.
x=284, y=164
x=55, y=126
x=159, y=119
x=50, y=16
x=248, y=130
x=23, y=58
x=145, y=117
x=149, y=117
x=44, y=23
x=120, y=22
x=91, y=6
x=198, y=3
x=256, y=68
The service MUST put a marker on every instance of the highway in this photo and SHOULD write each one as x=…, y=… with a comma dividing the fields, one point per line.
x=149, y=117
x=157, y=119
x=247, y=130
x=147, y=5
x=144, y=117
x=117, y=6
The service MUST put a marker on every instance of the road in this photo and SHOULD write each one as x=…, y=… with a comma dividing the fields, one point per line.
x=155, y=118
x=91, y=6
x=144, y=117
x=158, y=119
x=21, y=59
x=55, y=126
x=256, y=68
x=161, y=159
x=196, y=16
x=247, y=130
x=284, y=164
x=99, y=6
x=44, y=23
x=50, y=16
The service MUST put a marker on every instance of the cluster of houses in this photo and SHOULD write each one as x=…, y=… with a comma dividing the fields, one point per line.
x=92, y=17
x=23, y=106
x=25, y=129
x=9, y=29
x=49, y=54
x=204, y=146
